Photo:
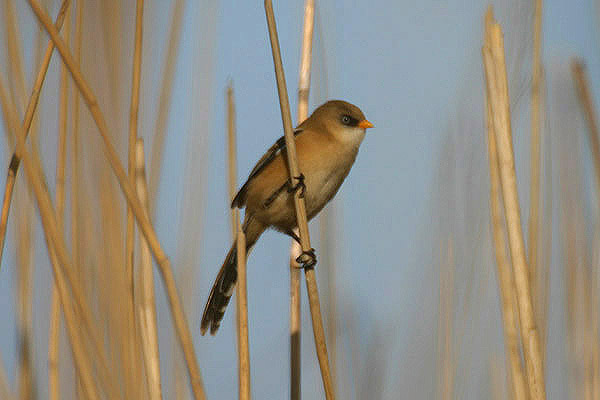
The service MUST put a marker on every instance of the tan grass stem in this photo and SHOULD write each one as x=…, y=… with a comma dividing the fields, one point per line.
x=51, y=233
x=15, y=53
x=144, y=224
x=534, y=198
x=130, y=340
x=164, y=100
x=587, y=103
x=240, y=238
x=242, y=306
x=504, y=275
x=585, y=98
x=59, y=249
x=295, y=250
x=54, y=328
x=311, y=283
x=497, y=92
x=30, y=110
x=147, y=303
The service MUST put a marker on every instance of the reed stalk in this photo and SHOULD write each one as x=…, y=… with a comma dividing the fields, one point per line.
x=587, y=103
x=534, y=197
x=61, y=153
x=52, y=238
x=311, y=283
x=504, y=274
x=585, y=98
x=15, y=54
x=242, y=306
x=497, y=93
x=144, y=224
x=164, y=100
x=295, y=250
x=238, y=235
x=147, y=303
x=25, y=370
x=30, y=110
x=130, y=325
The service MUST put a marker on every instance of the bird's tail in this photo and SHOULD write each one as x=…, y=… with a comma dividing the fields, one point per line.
x=227, y=278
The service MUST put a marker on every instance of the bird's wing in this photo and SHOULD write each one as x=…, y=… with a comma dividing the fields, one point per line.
x=240, y=198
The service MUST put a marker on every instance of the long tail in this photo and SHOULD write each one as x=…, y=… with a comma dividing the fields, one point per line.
x=226, y=279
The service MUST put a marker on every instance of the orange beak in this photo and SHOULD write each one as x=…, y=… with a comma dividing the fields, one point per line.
x=365, y=124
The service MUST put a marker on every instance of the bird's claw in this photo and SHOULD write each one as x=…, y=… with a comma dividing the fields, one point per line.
x=307, y=259
x=298, y=186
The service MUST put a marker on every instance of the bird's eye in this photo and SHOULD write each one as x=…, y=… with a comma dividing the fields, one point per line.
x=346, y=119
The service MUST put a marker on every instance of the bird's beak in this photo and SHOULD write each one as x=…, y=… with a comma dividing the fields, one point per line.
x=365, y=124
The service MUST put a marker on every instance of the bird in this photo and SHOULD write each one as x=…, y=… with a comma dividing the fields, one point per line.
x=327, y=144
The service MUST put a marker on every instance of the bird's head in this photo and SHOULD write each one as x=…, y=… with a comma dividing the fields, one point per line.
x=344, y=121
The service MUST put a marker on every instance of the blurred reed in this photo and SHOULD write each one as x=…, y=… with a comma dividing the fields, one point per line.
x=497, y=94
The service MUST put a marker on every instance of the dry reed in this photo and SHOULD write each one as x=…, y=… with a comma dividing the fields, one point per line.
x=504, y=275
x=53, y=239
x=534, y=197
x=54, y=328
x=242, y=323
x=311, y=283
x=144, y=224
x=29, y=112
x=130, y=337
x=164, y=100
x=147, y=303
x=583, y=91
x=238, y=236
x=497, y=93
x=295, y=250
x=592, y=363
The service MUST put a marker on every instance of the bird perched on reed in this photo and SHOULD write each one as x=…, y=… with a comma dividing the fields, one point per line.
x=327, y=143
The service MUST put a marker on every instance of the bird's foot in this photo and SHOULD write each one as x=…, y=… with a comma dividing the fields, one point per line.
x=298, y=186
x=307, y=259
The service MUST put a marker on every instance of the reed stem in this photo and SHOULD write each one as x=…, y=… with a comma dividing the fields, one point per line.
x=295, y=250
x=240, y=238
x=54, y=330
x=30, y=110
x=311, y=283
x=147, y=303
x=144, y=224
x=131, y=337
x=497, y=92
x=534, y=200
x=504, y=275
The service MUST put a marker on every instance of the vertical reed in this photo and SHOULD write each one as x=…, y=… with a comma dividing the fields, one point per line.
x=145, y=226
x=30, y=110
x=313, y=294
x=295, y=250
x=534, y=199
x=147, y=303
x=54, y=329
x=238, y=236
x=593, y=364
x=504, y=274
x=130, y=325
x=496, y=80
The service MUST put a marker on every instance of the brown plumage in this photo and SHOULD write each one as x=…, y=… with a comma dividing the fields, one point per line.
x=327, y=143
